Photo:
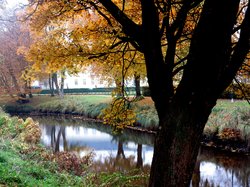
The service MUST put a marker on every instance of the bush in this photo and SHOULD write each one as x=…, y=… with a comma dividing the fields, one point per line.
x=18, y=108
x=31, y=132
x=71, y=163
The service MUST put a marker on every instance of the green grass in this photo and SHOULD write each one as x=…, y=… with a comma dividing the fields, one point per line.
x=119, y=179
x=89, y=106
x=225, y=114
x=21, y=163
x=15, y=171
x=233, y=115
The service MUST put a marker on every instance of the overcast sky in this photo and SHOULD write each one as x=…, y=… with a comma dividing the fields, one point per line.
x=12, y=3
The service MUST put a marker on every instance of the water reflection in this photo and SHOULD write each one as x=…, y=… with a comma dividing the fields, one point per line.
x=87, y=137
x=221, y=169
x=131, y=150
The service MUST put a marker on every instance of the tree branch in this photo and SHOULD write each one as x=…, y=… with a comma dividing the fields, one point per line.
x=129, y=27
x=242, y=90
x=240, y=50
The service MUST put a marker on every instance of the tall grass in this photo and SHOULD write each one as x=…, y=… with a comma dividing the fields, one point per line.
x=90, y=106
x=233, y=116
x=147, y=116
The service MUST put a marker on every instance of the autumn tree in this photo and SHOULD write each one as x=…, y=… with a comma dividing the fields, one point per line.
x=12, y=64
x=74, y=42
x=157, y=29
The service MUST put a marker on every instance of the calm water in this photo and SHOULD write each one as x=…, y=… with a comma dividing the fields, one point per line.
x=130, y=150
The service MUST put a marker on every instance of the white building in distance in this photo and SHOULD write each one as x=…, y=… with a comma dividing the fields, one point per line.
x=85, y=80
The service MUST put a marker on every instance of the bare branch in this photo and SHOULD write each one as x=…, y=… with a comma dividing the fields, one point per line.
x=242, y=90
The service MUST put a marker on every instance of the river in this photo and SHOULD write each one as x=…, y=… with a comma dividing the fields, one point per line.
x=132, y=149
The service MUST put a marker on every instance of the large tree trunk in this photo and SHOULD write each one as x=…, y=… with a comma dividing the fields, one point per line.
x=177, y=144
x=196, y=176
x=182, y=119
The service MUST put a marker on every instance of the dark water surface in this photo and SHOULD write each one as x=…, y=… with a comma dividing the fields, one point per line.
x=131, y=150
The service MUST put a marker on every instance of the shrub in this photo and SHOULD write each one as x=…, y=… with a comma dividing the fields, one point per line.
x=71, y=163
x=31, y=132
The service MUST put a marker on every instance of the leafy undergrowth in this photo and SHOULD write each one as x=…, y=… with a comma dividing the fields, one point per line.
x=24, y=162
x=18, y=170
x=118, y=179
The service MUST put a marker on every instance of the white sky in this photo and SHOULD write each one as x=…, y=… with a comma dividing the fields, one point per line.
x=12, y=3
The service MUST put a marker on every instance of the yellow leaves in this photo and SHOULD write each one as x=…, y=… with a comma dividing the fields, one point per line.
x=230, y=134
x=131, y=8
x=22, y=50
x=31, y=132
x=65, y=38
x=119, y=114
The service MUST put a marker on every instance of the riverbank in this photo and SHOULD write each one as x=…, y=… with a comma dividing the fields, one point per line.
x=24, y=162
x=228, y=126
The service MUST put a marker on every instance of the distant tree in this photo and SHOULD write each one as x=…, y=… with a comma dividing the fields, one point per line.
x=12, y=65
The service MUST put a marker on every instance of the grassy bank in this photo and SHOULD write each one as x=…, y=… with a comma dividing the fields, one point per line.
x=87, y=105
x=24, y=162
x=228, y=120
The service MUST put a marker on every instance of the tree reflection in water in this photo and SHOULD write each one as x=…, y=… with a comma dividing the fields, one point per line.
x=120, y=162
x=216, y=168
x=118, y=153
x=55, y=139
